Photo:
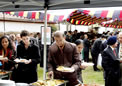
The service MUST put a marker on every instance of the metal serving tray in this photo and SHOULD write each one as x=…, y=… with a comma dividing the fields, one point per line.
x=5, y=75
x=62, y=84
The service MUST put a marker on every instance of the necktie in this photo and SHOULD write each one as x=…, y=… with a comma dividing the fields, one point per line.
x=114, y=52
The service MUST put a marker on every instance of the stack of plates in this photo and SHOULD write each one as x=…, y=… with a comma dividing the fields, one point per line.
x=7, y=83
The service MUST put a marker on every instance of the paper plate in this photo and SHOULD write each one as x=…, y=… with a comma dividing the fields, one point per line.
x=65, y=69
x=20, y=60
x=87, y=64
x=3, y=58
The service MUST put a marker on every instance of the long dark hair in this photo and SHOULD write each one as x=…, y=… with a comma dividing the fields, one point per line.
x=9, y=45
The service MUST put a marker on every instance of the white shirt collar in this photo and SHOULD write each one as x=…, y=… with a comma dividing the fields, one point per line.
x=112, y=48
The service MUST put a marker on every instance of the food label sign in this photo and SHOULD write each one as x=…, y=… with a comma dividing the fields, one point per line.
x=48, y=35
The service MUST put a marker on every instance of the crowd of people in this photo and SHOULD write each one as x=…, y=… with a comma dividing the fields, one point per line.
x=70, y=49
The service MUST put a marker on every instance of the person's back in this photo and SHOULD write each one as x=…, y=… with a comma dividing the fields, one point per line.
x=96, y=46
x=103, y=46
x=86, y=48
x=95, y=50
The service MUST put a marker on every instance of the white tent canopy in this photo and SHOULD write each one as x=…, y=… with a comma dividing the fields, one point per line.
x=18, y=5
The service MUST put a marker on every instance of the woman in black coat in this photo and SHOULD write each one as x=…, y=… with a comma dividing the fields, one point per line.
x=26, y=71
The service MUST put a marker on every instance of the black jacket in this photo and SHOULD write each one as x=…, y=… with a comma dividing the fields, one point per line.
x=96, y=46
x=103, y=46
x=86, y=45
x=27, y=73
x=110, y=64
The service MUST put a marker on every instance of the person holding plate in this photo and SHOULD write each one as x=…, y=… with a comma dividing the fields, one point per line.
x=64, y=55
x=79, y=45
x=7, y=54
x=28, y=57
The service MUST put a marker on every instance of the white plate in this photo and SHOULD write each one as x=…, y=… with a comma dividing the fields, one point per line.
x=3, y=58
x=65, y=69
x=20, y=60
x=87, y=64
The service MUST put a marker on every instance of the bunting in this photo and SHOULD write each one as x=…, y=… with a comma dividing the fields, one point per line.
x=37, y=16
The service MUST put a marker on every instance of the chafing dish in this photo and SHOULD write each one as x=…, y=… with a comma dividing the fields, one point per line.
x=54, y=82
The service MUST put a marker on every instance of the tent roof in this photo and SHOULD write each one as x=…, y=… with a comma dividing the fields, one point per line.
x=22, y=5
x=107, y=18
x=83, y=17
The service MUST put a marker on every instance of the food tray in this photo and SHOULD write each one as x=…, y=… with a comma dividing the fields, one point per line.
x=62, y=84
x=5, y=75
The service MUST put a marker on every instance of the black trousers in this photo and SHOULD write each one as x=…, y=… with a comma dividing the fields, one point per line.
x=94, y=59
x=111, y=78
x=86, y=56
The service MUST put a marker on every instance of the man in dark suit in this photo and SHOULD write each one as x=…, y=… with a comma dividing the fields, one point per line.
x=95, y=51
x=111, y=62
x=86, y=48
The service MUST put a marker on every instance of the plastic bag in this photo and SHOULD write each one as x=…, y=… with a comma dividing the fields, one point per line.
x=99, y=61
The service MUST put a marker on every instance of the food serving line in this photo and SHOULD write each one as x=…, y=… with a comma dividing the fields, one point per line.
x=48, y=82
x=6, y=75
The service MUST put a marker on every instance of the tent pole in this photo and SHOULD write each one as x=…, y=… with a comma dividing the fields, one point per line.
x=70, y=27
x=45, y=47
x=66, y=27
x=59, y=26
x=4, y=22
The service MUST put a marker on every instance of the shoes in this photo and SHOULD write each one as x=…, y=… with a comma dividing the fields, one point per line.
x=98, y=70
